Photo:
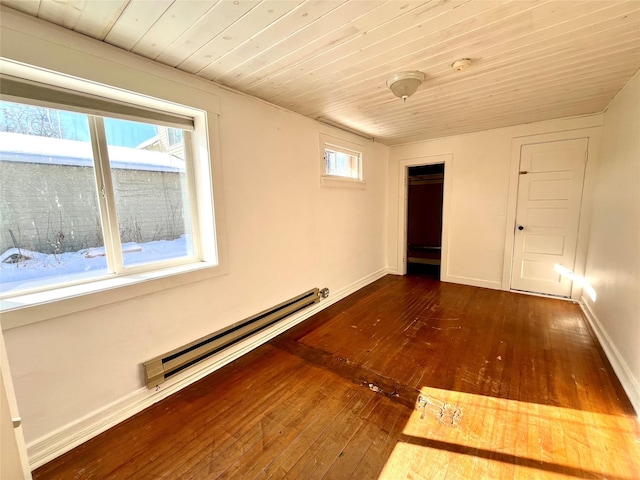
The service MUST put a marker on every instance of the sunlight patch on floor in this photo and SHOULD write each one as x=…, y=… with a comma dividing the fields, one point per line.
x=500, y=438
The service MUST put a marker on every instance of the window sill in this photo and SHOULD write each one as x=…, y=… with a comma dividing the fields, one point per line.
x=329, y=181
x=36, y=307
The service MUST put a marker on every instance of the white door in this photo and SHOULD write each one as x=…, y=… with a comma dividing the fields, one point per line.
x=547, y=215
x=13, y=458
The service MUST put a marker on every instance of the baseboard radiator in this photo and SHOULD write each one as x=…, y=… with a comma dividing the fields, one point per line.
x=161, y=368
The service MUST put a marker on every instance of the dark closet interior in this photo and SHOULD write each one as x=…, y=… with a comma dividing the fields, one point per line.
x=424, y=219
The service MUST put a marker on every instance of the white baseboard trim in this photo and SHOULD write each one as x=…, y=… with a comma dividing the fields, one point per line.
x=620, y=367
x=62, y=440
x=474, y=282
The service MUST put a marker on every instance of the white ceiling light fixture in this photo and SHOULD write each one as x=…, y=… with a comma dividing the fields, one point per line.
x=405, y=84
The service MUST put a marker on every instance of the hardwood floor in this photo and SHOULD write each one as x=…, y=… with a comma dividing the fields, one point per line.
x=407, y=378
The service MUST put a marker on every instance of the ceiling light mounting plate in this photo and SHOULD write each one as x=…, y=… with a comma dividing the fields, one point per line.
x=461, y=64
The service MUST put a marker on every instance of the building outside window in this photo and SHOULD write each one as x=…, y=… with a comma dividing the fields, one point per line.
x=90, y=196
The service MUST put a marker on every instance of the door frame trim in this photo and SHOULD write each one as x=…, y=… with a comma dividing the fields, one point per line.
x=593, y=142
x=403, y=172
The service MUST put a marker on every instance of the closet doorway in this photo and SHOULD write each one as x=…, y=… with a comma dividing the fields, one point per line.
x=425, y=195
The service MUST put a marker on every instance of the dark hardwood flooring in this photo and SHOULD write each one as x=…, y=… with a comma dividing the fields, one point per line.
x=407, y=378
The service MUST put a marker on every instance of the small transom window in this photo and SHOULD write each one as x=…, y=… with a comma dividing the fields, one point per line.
x=341, y=160
x=342, y=163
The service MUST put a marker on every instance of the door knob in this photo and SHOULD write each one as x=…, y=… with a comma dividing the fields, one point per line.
x=520, y=227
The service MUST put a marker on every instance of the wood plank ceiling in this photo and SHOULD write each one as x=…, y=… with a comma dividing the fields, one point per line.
x=532, y=60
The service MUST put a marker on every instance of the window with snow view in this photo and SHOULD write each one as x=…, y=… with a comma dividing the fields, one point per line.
x=86, y=197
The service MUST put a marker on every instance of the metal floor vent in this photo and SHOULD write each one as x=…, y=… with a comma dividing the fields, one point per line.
x=160, y=368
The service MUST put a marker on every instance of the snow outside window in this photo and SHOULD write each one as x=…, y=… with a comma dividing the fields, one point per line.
x=86, y=197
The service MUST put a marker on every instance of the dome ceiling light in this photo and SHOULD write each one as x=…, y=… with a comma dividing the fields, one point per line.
x=405, y=84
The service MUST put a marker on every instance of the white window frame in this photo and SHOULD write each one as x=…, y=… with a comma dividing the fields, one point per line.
x=328, y=142
x=29, y=307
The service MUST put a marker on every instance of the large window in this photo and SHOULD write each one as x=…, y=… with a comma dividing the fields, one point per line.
x=91, y=190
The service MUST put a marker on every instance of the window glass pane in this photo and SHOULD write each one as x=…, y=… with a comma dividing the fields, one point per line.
x=151, y=191
x=342, y=164
x=175, y=136
x=50, y=228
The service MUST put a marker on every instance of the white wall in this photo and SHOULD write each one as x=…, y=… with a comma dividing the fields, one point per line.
x=613, y=260
x=284, y=233
x=478, y=181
